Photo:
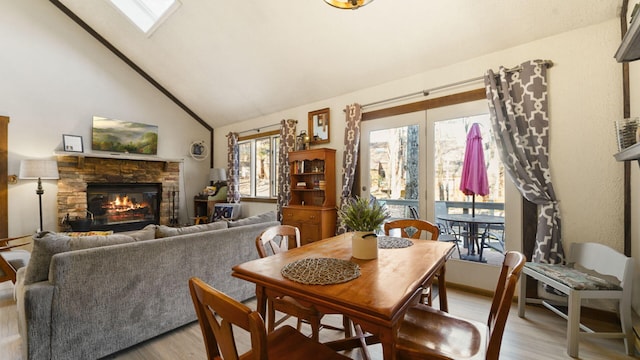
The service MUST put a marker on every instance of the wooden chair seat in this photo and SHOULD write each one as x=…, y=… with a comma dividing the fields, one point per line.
x=442, y=334
x=219, y=316
x=427, y=333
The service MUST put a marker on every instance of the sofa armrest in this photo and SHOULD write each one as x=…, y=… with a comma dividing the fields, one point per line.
x=34, y=317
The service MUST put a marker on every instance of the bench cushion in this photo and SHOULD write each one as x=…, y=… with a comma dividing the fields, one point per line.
x=573, y=278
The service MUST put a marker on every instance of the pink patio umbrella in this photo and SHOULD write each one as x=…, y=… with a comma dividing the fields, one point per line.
x=474, y=171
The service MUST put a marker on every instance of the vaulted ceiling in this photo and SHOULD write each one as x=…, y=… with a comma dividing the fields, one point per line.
x=230, y=61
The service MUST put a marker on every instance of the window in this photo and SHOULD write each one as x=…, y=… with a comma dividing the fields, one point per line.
x=147, y=15
x=259, y=165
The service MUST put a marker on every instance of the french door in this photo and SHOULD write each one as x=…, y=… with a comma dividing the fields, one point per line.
x=392, y=166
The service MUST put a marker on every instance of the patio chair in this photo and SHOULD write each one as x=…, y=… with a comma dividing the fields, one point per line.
x=494, y=237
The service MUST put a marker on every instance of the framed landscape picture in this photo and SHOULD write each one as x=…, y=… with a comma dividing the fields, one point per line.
x=124, y=136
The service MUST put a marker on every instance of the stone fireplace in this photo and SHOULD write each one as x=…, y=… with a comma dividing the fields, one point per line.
x=122, y=194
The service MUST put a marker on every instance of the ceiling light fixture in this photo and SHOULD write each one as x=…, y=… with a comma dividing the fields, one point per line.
x=348, y=4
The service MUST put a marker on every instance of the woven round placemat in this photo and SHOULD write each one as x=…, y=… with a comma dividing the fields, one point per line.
x=321, y=271
x=389, y=242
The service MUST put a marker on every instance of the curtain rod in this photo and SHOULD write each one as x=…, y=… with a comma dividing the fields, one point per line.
x=427, y=92
x=258, y=129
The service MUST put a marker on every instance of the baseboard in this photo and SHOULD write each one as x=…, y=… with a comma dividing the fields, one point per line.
x=471, y=289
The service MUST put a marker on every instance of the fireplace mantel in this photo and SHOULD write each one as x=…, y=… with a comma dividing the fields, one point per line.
x=119, y=156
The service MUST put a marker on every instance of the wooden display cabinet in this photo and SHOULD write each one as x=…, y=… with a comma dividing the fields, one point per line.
x=312, y=207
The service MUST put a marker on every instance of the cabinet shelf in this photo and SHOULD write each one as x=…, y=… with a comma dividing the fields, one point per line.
x=630, y=153
x=629, y=49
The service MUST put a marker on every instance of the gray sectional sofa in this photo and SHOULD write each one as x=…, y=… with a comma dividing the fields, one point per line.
x=88, y=297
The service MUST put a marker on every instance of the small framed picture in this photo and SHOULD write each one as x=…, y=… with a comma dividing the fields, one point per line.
x=72, y=143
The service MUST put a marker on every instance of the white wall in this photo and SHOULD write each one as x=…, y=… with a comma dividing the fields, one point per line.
x=54, y=77
x=585, y=96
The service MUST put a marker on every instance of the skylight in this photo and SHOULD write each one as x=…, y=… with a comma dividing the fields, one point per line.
x=146, y=14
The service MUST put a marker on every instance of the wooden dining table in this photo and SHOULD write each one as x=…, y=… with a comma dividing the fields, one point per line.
x=376, y=300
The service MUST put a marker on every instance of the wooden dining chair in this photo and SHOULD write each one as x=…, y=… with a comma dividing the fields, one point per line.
x=219, y=316
x=11, y=258
x=413, y=229
x=275, y=240
x=427, y=333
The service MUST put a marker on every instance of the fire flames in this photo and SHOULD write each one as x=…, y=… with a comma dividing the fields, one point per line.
x=123, y=208
x=121, y=204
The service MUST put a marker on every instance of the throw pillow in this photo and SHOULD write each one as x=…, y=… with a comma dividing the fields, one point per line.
x=88, y=242
x=256, y=219
x=221, y=213
x=146, y=233
x=165, y=231
x=46, y=244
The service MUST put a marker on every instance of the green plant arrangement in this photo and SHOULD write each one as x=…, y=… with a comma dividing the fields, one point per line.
x=361, y=214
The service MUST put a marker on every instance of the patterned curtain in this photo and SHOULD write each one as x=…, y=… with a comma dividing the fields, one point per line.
x=518, y=108
x=233, y=167
x=287, y=144
x=350, y=156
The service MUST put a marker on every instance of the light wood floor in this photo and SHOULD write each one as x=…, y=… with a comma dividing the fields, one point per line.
x=540, y=336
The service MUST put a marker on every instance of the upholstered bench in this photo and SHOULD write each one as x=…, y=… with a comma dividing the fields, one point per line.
x=573, y=278
x=595, y=271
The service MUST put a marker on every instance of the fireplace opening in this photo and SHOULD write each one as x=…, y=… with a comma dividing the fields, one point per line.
x=124, y=206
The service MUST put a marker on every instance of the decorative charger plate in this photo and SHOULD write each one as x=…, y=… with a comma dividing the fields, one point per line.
x=390, y=242
x=321, y=271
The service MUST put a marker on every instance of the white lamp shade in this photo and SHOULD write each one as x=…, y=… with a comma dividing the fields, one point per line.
x=35, y=168
x=217, y=174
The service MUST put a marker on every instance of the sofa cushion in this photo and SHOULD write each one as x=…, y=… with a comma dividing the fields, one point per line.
x=163, y=231
x=46, y=244
x=146, y=233
x=256, y=219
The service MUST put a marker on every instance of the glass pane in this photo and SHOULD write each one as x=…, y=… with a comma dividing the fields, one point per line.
x=276, y=159
x=449, y=150
x=143, y=13
x=245, y=168
x=450, y=142
x=263, y=167
x=393, y=168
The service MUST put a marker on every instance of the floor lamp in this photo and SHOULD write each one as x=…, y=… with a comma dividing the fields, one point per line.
x=41, y=170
